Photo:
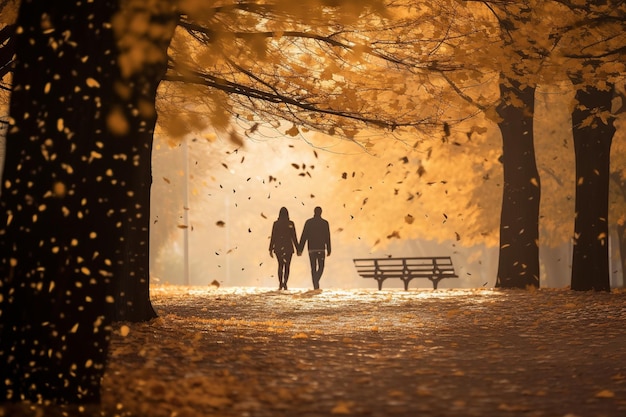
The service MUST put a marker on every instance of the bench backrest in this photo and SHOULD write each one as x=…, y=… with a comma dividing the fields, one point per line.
x=415, y=266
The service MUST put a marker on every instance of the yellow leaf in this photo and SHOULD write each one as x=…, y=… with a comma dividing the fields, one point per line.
x=124, y=331
x=91, y=82
x=342, y=407
x=605, y=394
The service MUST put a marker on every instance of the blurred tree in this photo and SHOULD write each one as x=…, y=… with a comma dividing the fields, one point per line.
x=74, y=186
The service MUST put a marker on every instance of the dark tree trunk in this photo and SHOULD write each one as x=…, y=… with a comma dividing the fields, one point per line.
x=621, y=226
x=60, y=207
x=518, y=265
x=132, y=302
x=592, y=147
x=75, y=189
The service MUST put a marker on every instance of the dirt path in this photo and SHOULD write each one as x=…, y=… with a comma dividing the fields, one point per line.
x=258, y=353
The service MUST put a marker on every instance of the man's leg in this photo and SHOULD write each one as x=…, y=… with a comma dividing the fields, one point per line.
x=321, y=258
x=313, y=260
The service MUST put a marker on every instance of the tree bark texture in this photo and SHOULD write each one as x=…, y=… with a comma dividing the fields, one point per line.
x=518, y=265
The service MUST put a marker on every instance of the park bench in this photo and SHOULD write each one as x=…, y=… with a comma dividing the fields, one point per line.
x=434, y=268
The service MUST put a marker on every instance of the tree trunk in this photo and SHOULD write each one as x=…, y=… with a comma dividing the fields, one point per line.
x=621, y=226
x=60, y=207
x=518, y=265
x=592, y=147
x=132, y=302
x=76, y=183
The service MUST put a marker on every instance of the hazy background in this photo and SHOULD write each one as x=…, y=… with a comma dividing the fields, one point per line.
x=235, y=192
x=235, y=195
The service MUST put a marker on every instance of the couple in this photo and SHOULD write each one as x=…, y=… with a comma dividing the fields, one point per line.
x=283, y=241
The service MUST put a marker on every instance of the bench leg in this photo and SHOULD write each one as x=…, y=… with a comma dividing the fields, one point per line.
x=435, y=282
x=380, y=284
x=406, y=284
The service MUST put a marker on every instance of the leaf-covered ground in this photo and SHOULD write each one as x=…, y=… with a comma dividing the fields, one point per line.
x=259, y=352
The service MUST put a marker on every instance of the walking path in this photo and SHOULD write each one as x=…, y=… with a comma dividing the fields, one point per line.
x=236, y=352
x=256, y=352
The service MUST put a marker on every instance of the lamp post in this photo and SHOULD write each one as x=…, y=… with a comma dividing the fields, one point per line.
x=186, y=279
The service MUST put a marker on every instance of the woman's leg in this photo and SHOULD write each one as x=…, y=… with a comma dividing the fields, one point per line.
x=281, y=264
x=287, y=268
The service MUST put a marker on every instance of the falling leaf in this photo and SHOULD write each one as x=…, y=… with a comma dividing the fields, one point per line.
x=235, y=138
x=117, y=123
x=91, y=82
x=124, y=330
x=393, y=234
x=220, y=223
x=293, y=131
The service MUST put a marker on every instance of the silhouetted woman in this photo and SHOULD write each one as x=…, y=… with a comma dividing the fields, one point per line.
x=283, y=243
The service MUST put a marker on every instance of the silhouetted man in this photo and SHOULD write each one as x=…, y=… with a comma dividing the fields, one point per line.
x=317, y=233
